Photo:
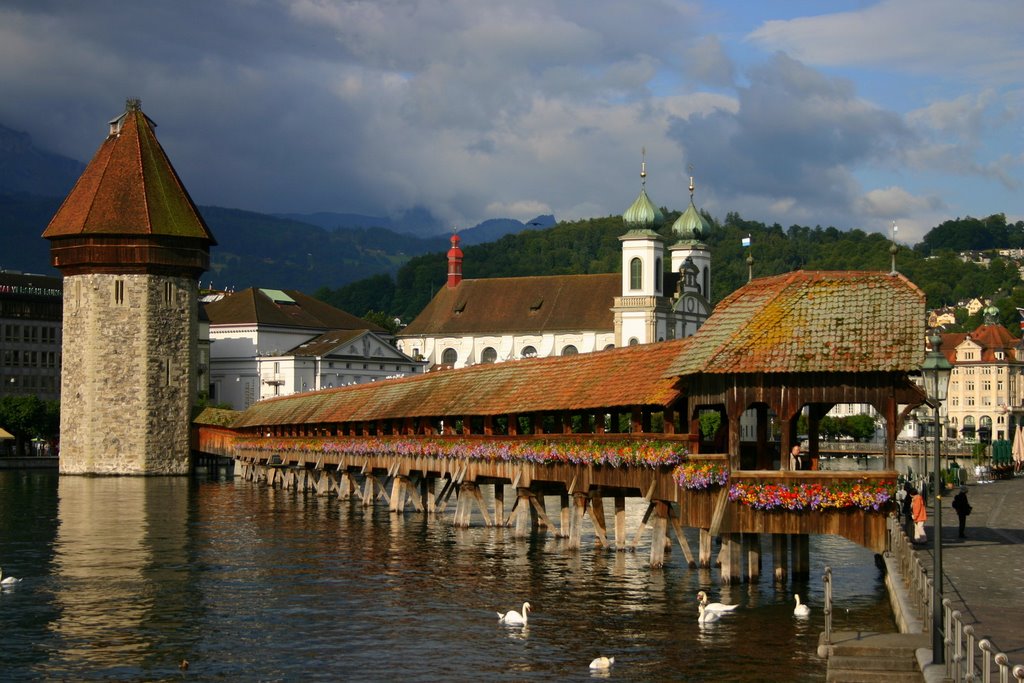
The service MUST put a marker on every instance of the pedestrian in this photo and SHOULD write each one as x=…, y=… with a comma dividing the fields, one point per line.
x=963, y=508
x=908, y=517
x=796, y=461
x=920, y=514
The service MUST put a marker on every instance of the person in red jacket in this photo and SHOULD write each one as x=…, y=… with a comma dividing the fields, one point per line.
x=919, y=512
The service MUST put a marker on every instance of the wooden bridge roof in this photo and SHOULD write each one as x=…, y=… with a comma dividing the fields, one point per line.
x=616, y=378
x=812, y=321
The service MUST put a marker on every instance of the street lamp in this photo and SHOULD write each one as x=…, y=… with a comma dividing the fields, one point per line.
x=936, y=371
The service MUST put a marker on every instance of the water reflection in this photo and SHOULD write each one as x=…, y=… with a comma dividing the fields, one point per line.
x=126, y=577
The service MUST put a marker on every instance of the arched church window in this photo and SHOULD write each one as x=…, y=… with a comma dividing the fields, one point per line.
x=449, y=357
x=633, y=341
x=529, y=352
x=489, y=355
x=569, y=350
x=636, y=274
x=609, y=346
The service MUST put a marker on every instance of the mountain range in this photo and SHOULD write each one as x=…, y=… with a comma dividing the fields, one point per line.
x=304, y=251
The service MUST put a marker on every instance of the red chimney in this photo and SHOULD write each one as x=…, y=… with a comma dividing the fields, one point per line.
x=454, y=263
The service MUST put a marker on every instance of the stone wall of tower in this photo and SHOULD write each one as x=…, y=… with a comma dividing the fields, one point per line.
x=129, y=351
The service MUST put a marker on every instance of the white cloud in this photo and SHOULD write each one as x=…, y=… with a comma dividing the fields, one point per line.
x=976, y=40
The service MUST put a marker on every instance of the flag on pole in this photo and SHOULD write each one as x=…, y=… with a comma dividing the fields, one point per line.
x=1020, y=311
x=746, y=243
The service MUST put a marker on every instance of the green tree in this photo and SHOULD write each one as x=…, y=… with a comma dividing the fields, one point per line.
x=29, y=417
x=859, y=427
x=710, y=422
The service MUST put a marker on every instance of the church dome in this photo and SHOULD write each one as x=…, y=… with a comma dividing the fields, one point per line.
x=643, y=214
x=691, y=226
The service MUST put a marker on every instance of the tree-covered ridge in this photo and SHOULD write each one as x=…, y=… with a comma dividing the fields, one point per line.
x=593, y=246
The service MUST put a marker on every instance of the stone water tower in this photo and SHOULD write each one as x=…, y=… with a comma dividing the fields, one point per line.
x=131, y=245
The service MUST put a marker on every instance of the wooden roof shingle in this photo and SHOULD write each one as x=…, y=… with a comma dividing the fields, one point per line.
x=622, y=377
x=812, y=321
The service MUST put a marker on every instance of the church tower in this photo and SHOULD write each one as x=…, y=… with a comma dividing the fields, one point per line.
x=641, y=313
x=131, y=246
x=690, y=230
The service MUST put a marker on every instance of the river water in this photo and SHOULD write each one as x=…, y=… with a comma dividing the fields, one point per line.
x=124, y=578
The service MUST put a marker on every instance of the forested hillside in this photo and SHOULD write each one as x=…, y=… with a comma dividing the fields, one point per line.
x=592, y=246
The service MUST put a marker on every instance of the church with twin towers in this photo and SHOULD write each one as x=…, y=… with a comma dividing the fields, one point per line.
x=492, y=320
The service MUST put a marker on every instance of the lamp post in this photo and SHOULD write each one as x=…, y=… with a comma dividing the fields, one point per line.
x=936, y=371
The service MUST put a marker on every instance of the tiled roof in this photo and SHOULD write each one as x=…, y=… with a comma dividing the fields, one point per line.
x=129, y=188
x=539, y=304
x=325, y=343
x=253, y=306
x=809, y=321
x=606, y=379
x=990, y=338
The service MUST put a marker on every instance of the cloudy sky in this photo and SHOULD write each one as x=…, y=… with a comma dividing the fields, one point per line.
x=831, y=112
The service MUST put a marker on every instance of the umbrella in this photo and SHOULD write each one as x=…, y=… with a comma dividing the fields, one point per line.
x=1018, y=448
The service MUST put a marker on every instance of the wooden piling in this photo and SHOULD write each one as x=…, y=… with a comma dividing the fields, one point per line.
x=780, y=556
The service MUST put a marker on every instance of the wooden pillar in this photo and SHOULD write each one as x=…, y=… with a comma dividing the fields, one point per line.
x=752, y=551
x=801, y=556
x=659, y=533
x=597, y=517
x=564, y=516
x=892, y=425
x=523, y=510
x=704, y=551
x=636, y=421
x=620, y=523
x=599, y=423
x=764, y=455
x=499, y=501
x=731, y=569
x=780, y=555
x=398, y=494
x=579, y=508
x=427, y=485
x=513, y=424
x=369, y=490
x=668, y=417
x=346, y=486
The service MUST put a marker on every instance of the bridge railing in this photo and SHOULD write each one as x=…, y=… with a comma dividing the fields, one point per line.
x=967, y=658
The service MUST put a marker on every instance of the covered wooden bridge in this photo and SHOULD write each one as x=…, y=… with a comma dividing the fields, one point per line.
x=626, y=423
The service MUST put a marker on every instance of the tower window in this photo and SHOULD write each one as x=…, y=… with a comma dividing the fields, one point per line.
x=657, y=275
x=118, y=292
x=449, y=357
x=636, y=274
x=168, y=293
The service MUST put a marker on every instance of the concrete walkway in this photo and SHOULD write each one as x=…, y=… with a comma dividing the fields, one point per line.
x=984, y=573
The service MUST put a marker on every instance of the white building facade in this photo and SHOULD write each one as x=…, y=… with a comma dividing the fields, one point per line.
x=472, y=321
x=270, y=343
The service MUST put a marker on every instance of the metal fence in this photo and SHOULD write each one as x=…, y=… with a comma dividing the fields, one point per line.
x=967, y=658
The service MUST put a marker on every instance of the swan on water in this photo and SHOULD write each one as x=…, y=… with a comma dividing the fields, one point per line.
x=514, y=617
x=801, y=610
x=602, y=663
x=718, y=607
x=706, y=617
x=7, y=580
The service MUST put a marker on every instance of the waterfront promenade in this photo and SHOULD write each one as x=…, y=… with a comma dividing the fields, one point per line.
x=984, y=573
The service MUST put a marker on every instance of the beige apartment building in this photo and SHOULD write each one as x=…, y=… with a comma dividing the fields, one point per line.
x=986, y=388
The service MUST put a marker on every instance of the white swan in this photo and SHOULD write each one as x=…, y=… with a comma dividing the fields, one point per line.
x=720, y=608
x=602, y=663
x=7, y=580
x=706, y=617
x=801, y=610
x=514, y=617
